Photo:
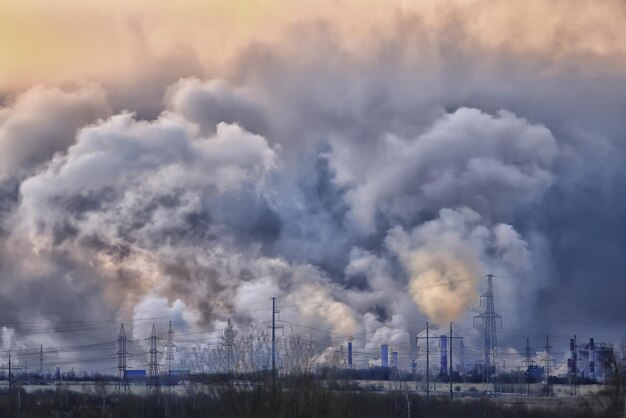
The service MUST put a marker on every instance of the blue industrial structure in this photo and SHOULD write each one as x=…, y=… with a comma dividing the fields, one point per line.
x=384, y=355
x=350, y=354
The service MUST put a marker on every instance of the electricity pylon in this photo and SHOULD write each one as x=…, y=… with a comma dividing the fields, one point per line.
x=528, y=363
x=491, y=342
x=170, y=348
x=122, y=353
x=153, y=362
x=229, y=345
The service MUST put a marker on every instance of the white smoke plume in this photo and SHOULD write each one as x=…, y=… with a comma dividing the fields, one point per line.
x=155, y=208
x=489, y=163
x=447, y=257
x=43, y=121
x=367, y=188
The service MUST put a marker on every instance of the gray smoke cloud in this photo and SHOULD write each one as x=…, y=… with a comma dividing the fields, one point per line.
x=491, y=164
x=367, y=193
x=447, y=257
x=42, y=122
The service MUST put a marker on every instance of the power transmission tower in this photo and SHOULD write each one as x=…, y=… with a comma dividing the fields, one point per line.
x=153, y=362
x=170, y=348
x=229, y=345
x=122, y=377
x=547, y=361
x=41, y=361
x=528, y=363
x=491, y=342
x=274, y=327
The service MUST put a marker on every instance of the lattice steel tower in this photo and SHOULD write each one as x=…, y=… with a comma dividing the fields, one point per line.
x=547, y=361
x=229, y=345
x=170, y=348
x=153, y=361
x=122, y=377
x=528, y=353
x=528, y=363
x=489, y=318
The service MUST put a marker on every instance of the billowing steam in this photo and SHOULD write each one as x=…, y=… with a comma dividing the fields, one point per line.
x=447, y=257
x=369, y=186
x=443, y=261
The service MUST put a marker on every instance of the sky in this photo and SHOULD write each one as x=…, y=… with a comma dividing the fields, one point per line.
x=367, y=163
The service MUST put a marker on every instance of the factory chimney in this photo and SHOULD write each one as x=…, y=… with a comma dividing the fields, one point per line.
x=444, y=354
x=350, y=354
x=384, y=355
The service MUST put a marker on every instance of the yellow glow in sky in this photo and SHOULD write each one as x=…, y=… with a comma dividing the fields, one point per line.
x=66, y=40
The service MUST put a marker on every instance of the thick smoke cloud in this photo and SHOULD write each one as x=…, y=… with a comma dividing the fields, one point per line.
x=214, y=102
x=127, y=189
x=446, y=258
x=491, y=164
x=368, y=190
x=43, y=121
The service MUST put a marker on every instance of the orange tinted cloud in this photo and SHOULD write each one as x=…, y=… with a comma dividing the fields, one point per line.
x=66, y=40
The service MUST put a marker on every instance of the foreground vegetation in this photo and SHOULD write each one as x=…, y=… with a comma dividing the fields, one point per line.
x=302, y=399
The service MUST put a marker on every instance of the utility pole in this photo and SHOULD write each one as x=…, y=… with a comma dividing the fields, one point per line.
x=122, y=378
x=490, y=318
x=450, y=374
x=274, y=328
x=427, y=363
x=547, y=364
x=427, y=338
x=450, y=367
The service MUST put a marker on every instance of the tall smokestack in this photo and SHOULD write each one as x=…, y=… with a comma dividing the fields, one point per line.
x=572, y=349
x=444, y=354
x=350, y=354
x=394, y=359
x=592, y=365
x=384, y=355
